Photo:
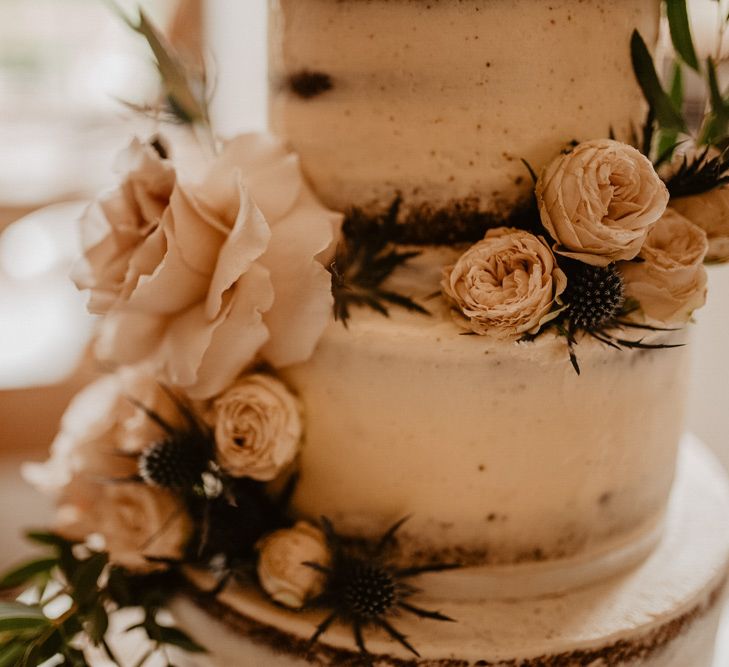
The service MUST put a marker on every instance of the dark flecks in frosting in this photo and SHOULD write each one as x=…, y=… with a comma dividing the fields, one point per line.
x=307, y=83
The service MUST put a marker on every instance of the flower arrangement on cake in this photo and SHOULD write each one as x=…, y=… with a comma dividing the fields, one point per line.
x=209, y=278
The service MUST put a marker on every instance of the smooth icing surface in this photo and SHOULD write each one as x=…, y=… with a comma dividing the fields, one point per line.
x=660, y=614
x=499, y=452
x=440, y=100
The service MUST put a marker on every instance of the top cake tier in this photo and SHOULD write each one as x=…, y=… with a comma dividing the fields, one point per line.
x=439, y=100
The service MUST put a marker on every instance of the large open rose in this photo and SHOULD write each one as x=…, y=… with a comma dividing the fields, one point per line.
x=670, y=281
x=505, y=285
x=228, y=271
x=599, y=201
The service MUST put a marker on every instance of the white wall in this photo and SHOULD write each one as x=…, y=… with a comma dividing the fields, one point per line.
x=708, y=411
x=237, y=33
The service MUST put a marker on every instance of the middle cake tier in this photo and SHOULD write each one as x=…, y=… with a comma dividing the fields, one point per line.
x=498, y=452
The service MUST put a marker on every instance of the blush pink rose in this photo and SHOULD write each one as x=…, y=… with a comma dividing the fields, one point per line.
x=221, y=273
x=599, y=201
x=670, y=281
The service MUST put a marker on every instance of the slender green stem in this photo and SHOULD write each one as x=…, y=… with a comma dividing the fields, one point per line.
x=145, y=657
x=110, y=653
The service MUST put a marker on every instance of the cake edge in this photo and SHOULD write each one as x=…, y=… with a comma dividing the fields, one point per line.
x=641, y=647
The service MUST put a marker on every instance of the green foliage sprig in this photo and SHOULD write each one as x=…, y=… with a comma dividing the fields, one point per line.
x=678, y=23
x=89, y=588
x=661, y=107
x=364, y=259
x=185, y=88
x=666, y=127
x=716, y=122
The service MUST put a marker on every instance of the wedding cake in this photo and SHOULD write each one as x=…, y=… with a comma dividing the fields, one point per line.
x=403, y=382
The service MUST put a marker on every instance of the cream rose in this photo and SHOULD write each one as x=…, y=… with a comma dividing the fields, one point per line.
x=710, y=211
x=599, y=201
x=139, y=524
x=91, y=458
x=230, y=271
x=281, y=568
x=100, y=427
x=505, y=285
x=670, y=282
x=258, y=427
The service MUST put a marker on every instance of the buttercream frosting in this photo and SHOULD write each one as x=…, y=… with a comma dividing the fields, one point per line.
x=661, y=614
x=497, y=451
x=441, y=100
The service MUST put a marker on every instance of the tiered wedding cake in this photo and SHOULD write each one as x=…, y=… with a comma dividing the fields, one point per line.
x=502, y=382
x=551, y=487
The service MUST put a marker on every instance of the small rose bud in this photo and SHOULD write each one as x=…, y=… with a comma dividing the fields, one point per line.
x=281, y=568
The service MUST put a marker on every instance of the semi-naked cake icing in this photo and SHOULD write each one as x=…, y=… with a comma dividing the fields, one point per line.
x=441, y=100
x=402, y=383
x=550, y=487
x=499, y=453
x=663, y=613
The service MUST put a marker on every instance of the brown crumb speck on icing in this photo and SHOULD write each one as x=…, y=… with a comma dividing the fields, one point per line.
x=623, y=651
x=308, y=84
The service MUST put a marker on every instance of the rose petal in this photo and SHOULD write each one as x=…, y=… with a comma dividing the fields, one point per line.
x=304, y=301
x=247, y=240
x=127, y=337
x=205, y=356
x=173, y=286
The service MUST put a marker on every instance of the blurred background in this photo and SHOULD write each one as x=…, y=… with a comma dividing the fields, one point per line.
x=65, y=68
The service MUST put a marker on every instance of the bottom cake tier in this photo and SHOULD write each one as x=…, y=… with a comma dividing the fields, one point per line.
x=662, y=613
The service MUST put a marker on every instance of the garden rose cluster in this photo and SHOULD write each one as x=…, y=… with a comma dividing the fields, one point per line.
x=603, y=205
x=199, y=284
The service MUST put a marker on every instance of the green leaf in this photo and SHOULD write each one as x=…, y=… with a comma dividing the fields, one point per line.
x=668, y=138
x=184, y=103
x=47, y=539
x=143, y=660
x=27, y=571
x=678, y=23
x=74, y=657
x=136, y=626
x=97, y=623
x=11, y=654
x=84, y=582
x=666, y=114
x=16, y=616
x=176, y=637
x=44, y=649
x=67, y=562
x=716, y=123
